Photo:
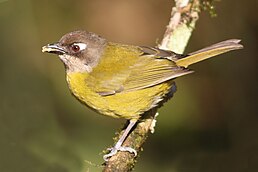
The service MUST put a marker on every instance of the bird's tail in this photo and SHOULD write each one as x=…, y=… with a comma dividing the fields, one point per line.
x=213, y=50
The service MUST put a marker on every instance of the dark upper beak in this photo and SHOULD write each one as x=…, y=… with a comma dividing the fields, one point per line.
x=54, y=48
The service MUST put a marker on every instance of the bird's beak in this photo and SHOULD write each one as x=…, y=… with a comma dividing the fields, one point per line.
x=54, y=48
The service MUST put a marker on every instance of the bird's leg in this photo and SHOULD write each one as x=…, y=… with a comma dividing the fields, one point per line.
x=118, y=146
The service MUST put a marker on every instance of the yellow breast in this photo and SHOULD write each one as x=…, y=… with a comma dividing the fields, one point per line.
x=129, y=105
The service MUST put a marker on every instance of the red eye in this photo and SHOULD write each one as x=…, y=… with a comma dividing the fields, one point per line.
x=75, y=48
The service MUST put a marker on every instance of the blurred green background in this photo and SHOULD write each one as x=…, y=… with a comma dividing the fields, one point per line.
x=211, y=124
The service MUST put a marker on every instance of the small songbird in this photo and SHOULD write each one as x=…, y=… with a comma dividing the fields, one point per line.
x=124, y=81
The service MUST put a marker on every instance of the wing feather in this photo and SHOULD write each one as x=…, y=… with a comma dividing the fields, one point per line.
x=143, y=70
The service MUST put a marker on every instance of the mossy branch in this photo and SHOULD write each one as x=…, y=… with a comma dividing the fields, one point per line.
x=182, y=22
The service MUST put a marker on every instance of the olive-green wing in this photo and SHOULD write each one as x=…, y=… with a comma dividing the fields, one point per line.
x=150, y=71
x=142, y=71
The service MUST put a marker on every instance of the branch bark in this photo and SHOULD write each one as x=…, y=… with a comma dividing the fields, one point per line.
x=182, y=22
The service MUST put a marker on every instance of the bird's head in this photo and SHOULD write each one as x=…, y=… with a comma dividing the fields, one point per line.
x=80, y=51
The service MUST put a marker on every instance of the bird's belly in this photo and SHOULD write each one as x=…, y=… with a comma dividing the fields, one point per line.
x=129, y=105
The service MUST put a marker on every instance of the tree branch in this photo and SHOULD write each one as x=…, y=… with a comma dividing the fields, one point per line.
x=182, y=22
x=183, y=18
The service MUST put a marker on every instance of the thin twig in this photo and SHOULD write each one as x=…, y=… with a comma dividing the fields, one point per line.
x=183, y=18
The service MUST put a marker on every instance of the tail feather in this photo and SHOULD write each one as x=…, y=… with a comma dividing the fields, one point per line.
x=208, y=52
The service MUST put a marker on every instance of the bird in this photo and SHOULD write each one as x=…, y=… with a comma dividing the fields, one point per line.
x=124, y=81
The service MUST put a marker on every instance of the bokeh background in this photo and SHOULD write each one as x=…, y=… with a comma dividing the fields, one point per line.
x=211, y=124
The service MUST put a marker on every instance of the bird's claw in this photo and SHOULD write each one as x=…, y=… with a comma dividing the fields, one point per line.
x=114, y=150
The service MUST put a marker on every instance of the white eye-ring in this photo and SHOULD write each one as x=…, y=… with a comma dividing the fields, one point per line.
x=76, y=47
